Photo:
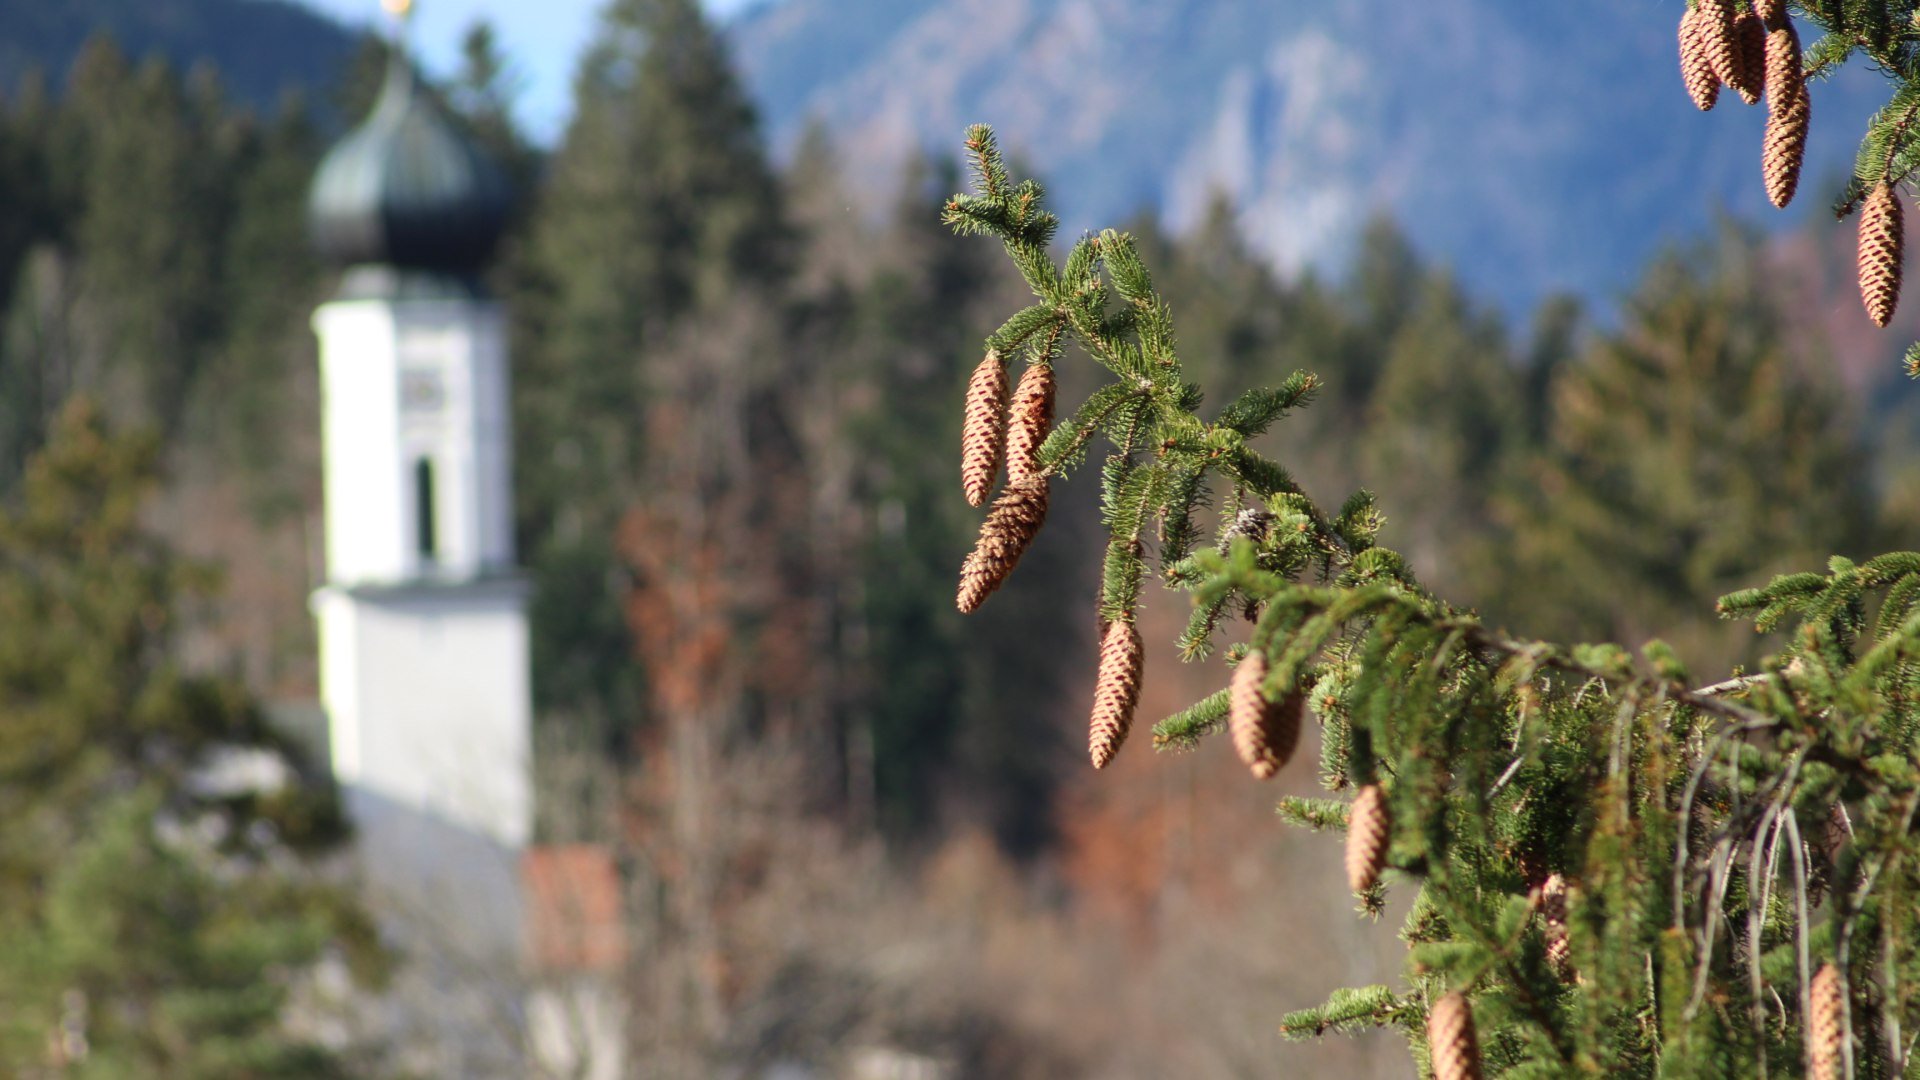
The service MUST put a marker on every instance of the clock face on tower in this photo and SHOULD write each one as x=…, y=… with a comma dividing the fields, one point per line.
x=421, y=391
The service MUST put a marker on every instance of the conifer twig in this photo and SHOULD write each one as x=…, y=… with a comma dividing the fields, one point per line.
x=1505, y=760
x=1737, y=684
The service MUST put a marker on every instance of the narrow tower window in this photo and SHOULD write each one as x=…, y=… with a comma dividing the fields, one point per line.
x=423, y=508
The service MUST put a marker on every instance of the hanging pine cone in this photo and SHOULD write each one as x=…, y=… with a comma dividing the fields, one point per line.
x=1785, y=146
x=1825, y=1025
x=1713, y=19
x=1451, y=1041
x=1771, y=12
x=1010, y=526
x=1553, y=922
x=1786, y=77
x=1116, y=692
x=1881, y=233
x=1028, y=422
x=1265, y=733
x=1369, y=829
x=1703, y=86
x=985, y=428
x=1750, y=65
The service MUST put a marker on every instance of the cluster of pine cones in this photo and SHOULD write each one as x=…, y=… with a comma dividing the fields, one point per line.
x=1265, y=732
x=1022, y=506
x=1756, y=51
x=997, y=429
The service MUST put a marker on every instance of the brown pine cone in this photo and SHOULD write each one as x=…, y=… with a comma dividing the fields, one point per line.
x=1771, y=12
x=1116, y=692
x=1369, y=829
x=1265, y=733
x=1785, y=145
x=1010, y=526
x=1786, y=77
x=985, y=428
x=1703, y=86
x=1714, y=21
x=1028, y=422
x=1553, y=922
x=1881, y=234
x=1825, y=1026
x=1451, y=1041
x=1750, y=65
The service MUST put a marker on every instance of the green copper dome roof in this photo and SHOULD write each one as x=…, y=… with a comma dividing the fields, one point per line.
x=405, y=189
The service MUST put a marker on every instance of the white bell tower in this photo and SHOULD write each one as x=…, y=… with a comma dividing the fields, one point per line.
x=420, y=382
x=423, y=628
x=423, y=615
x=422, y=619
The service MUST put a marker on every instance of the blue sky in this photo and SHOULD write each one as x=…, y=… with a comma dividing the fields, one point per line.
x=542, y=37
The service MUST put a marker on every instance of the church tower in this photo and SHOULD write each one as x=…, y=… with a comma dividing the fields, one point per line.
x=423, y=622
x=422, y=617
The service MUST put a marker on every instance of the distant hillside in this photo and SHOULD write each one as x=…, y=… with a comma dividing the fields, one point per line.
x=1535, y=146
x=262, y=48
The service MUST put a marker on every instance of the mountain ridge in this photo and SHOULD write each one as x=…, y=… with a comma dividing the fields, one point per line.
x=1537, y=148
x=263, y=50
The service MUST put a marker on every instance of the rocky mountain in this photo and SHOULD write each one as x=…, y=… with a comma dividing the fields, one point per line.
x=263, y=49
x=1537, y=147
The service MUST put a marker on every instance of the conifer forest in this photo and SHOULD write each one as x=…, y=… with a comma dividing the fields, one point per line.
x=1466, y=692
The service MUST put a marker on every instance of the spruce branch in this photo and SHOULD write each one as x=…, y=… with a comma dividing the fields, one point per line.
x=1182, y=730
x=1719, y=42
x=1662, y=811
x=1315, y=814
x=1350, y=1012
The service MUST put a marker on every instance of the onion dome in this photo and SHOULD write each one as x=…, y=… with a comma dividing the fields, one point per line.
x=406, y=189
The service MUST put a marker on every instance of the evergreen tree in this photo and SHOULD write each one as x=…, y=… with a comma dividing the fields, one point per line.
x=154, y=194
x=1444, y=417
x=658, y=202
x=247, y=404
x=1687, y=453
x=364, y=75
x=483, y=95
x=936, y=719
x=670, y=512
x=1428, y=404
x=1388, y=277
x=32, y=215
x=1614, y=869
x=38, y=357
x=159, y=912
x=31, y=384
x=152, y=254
x=1242, y=315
